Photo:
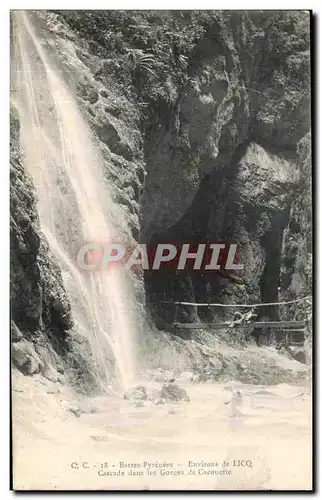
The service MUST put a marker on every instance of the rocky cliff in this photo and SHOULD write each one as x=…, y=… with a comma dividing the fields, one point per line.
x=203, y=119
x=220, y=113
x=42, y=335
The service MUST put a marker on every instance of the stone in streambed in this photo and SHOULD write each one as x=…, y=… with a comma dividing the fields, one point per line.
x=50, y=374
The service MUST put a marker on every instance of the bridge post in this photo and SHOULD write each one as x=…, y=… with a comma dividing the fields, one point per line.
x=175, y=314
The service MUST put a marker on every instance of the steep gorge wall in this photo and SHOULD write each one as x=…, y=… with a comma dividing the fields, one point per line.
x=42, y=331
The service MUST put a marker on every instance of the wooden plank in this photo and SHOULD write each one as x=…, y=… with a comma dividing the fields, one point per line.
x=298, y=330
x=257, y=324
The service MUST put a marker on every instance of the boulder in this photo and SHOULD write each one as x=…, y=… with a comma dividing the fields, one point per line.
x=300, y=357
x=172, y=392
x=75, y=411
x=138, y=393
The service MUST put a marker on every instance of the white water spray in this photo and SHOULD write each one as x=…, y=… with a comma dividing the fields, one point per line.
x=74, y=204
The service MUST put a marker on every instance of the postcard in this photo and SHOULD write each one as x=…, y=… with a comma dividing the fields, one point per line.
x=161, y=250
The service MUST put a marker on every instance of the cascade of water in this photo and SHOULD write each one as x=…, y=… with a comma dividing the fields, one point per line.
x=74, y=203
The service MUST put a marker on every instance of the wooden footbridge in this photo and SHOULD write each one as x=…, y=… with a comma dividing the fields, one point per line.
x=291, y=332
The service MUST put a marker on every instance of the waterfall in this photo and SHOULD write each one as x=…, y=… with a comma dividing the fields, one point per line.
x=74, y=203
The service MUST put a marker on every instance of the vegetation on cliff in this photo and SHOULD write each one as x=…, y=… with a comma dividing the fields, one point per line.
x=155, y=54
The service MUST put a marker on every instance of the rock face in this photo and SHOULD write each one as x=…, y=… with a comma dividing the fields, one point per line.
x=217, y=116
x=203, y=120
x=41, y=322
